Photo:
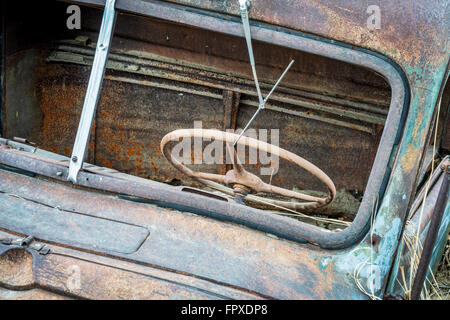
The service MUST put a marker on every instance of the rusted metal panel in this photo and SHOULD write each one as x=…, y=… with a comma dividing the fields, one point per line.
x=347, y=22
x=32, y=294
x=32, y=218
x=63, y=274
x=16, y=269
x=214, y=257
x=432, y=235
x=172, y=197
x=423, y=61
x=319, y=48
x=126, y=138
x=105, y=282
x=231, y=103
x=416, y=230
x=297, y=41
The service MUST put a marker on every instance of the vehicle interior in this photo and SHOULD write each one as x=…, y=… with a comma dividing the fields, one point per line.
x=335, y=120
x=164, y=76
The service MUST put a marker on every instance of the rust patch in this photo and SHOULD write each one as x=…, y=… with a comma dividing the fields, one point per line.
x=16, y=268
x=409, y=159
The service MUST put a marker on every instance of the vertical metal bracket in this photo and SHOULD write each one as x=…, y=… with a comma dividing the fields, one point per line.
x=93, y=90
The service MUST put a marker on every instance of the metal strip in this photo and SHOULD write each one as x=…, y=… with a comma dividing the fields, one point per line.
x=323, y=104
x=93, y=91
x=433, y=230
x=136, y=63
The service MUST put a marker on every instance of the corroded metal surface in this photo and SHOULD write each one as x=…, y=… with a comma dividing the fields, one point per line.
x=172, y=197
x=178, y=259
x=32, y=294
x=414, y=37
x=422, y=212
x=351, y=234
x=346, y=21
x=29, y=218
x=67, y=274
x=430, y=243
x=16, y=269
x=314, y=102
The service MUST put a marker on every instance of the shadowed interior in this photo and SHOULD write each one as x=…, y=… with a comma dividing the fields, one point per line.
x=163, y=76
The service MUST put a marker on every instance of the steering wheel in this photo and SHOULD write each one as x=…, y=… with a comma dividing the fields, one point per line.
x=243, y=183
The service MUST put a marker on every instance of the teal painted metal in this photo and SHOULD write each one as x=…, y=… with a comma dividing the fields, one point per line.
x=390, y=219
x=418, y=227
x=389, y=223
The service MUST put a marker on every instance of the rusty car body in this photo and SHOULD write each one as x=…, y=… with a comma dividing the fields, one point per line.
x=368, y=106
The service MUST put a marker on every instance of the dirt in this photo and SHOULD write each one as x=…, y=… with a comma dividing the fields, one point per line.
x=344, y=204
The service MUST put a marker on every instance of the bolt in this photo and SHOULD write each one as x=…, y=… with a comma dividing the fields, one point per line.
x=74, y=158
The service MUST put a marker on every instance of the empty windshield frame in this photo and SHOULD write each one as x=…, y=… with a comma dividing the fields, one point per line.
x=283, y=227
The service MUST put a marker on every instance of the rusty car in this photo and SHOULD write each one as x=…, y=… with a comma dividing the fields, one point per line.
x=344, y=105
